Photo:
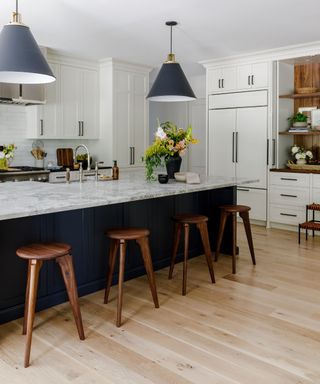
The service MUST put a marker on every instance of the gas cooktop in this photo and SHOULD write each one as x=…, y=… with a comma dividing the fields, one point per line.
x=24, y=173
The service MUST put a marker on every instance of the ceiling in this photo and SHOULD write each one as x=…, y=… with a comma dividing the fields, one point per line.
x=134, y=30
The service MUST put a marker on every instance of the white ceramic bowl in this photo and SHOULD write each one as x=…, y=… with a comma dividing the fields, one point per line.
x=180, y=176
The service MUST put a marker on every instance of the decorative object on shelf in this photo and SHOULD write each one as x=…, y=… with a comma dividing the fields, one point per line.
x=315, y=119
x=6, y=155
x=163, y=178
x=170, y=142
x=307, y=111
x=171, y=83
x=306, y=90
x=304, y=167
x=38, y=153
x=21, y=61
x=299, y=120
x=300, y=154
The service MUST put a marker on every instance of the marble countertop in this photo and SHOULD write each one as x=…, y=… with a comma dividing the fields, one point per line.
x=29, y=198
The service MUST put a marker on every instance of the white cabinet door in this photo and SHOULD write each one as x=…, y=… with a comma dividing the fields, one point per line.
x=251, y=76
x=214, y=80
x=256, y=199
x=70, y=101
x=43, y=121
x=259, y=75
x=138, y=118
x=89, y=104
x=244, y=76
x=229, y=79
x=122, y=138
x=251, y=144
x=222, y=126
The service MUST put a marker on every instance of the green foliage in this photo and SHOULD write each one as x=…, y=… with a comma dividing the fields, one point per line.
x=298, y=118
x=169, y=141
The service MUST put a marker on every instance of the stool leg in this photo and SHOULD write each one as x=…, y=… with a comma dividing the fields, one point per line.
x=34, y=270
x=247, y=227
x=299, y=233
x=177, y=234
x=121, y=278
x=146, y=255
x=185, y=259
x=67, y=270
x=234, y=241
x=24, y=329
x=203, y=229
x=112, y=258
x=223, y=220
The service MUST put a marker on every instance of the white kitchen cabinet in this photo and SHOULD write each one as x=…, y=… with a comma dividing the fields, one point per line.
x=43, y=121
x=289, y=194
x=79, y=102
x=238, y=145
x=222, y=79
x=251, y=76
x=124, y=113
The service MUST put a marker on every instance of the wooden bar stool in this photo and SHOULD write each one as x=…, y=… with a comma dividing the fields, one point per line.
x=185, y=220
x=232, y=210
x=120, y=237
x=36, y=254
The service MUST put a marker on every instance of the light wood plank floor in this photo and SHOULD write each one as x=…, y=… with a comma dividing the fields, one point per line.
x=259, y=326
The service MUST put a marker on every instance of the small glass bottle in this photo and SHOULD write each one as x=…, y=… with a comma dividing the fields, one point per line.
x=115, y=170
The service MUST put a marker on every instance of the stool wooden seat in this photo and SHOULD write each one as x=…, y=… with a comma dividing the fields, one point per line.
x=232, y=210
x=185, y=220
x=36, y=254
x=119, y=237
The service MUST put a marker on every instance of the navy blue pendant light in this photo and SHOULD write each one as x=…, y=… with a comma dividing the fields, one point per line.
x=21, y=61
x=171, y=83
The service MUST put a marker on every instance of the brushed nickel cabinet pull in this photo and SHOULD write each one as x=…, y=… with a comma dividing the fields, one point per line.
x=252, y=79
x=41, y=127
x=287, y=214
x=249, y=80
x=285, y=195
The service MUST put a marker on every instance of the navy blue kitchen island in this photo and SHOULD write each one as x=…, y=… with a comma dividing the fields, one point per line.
x=82, y=222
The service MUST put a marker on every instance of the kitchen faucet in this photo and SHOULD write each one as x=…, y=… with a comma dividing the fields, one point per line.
x=88, y=154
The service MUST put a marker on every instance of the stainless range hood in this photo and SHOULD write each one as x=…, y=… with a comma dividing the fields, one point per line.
x=8, y=94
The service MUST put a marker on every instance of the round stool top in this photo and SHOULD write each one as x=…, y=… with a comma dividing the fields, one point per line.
x=189, y=218
x=235, y=208
x=43, y=251
x=127, y=233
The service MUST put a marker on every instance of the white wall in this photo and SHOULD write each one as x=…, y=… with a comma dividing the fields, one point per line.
x=13, y=131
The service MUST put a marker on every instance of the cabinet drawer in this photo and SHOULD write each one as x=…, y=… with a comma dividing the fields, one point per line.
x=287, y=215
x=256, y=199
x=287, y=179
x=289, y=196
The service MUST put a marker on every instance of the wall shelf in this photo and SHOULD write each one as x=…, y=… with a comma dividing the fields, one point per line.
x=300, y=95
x=313, y=133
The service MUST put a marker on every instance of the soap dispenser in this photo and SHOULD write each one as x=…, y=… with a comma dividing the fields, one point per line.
x=115, y=170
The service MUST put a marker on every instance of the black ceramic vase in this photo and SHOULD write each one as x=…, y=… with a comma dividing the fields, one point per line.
x=173, y=164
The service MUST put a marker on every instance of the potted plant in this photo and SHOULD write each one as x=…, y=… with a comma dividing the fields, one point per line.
x=298, y=120
x=169, y=145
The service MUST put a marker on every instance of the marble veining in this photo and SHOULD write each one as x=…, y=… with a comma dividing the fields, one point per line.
x=29, y=198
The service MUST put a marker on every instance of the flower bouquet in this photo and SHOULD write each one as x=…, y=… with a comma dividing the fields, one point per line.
x=6, y=155
x=170, y=142
x=300, y=154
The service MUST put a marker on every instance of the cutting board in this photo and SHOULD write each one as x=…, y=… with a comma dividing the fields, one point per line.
x=65, y=157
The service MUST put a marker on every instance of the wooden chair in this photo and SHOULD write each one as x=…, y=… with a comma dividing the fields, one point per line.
x=119, y=237
x=36, y=254
x=232, y=210
x=185, y=220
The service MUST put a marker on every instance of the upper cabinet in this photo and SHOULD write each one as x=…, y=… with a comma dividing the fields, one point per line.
x=124, y=112
x=238, y=77
x=72, y=104
x=253, y=76
x=222, y=79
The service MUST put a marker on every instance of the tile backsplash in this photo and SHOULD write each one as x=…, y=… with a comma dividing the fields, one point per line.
x=13, y=130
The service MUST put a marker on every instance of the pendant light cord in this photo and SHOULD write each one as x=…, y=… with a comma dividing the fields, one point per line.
x=170, y=38
x=17, y=6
